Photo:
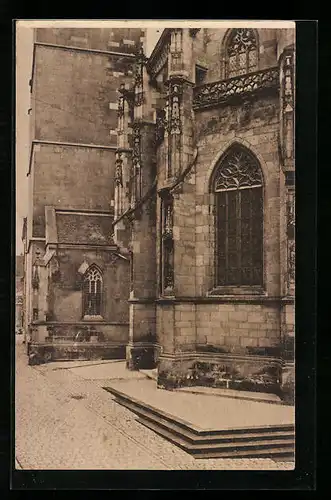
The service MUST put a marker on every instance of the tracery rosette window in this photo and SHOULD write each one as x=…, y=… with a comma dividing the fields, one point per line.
x=92, y=292
x=238, y=189
x=241, y=52
x=167, y=246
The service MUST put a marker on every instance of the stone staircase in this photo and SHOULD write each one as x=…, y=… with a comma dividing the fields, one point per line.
x=275, y=441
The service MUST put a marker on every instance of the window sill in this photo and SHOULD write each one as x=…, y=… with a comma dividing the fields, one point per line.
x=236, y=290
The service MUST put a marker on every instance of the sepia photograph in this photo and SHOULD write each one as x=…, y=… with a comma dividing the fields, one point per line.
x=155, y=245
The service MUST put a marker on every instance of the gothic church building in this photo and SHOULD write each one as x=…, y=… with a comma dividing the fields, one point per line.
x=169, y=241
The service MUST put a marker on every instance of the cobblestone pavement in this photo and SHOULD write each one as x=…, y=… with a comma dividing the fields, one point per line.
x=67, y=421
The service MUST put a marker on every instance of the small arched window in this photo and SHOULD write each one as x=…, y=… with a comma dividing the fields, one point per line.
x=92, y=292
x=241, y=52
x=238, y=189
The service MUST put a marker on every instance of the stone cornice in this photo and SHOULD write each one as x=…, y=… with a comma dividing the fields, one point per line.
x=87, y=246
x=195, y=355
x=230, y=299
x=130, y=55
x=212, y=300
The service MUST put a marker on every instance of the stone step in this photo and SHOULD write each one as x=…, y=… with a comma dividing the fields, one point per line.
x=259, y=444
x=258, y=397
x=268, y=449
x=279, y=454
x=223, y=436
x=136, y=405
x=273, y=441
x=274, y=454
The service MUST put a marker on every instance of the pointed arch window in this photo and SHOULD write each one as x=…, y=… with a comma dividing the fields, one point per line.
x=241, y=52
x=238, y=189
x=92, y=292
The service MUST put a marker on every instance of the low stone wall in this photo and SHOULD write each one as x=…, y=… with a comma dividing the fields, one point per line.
x=76, y=331
x=46, y=352
x=288, y=382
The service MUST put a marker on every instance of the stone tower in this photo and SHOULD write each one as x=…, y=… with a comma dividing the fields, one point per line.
x=74, y=82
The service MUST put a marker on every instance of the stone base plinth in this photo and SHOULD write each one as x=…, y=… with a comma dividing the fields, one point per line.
x=141, y=356
x=246, y=373
x=288, y=382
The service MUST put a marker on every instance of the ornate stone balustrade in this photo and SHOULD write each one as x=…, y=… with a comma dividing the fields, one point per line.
x=216, y=93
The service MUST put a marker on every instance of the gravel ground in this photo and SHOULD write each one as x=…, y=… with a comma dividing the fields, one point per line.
x=67, y=421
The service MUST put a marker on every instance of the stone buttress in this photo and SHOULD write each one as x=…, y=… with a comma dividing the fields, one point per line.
x=135, y=210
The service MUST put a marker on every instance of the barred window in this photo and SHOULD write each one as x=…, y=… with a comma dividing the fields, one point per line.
x=241, y=52
x=238, y=188
x=92, y=292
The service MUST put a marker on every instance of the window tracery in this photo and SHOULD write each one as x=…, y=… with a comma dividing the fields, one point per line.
x=92, y=292
x=241, y=52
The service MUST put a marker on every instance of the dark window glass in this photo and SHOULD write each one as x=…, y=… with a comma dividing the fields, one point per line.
x=239, y=213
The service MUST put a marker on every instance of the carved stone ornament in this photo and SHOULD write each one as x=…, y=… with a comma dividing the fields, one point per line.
x=128, y=94
x=83, y=267
x=150, y=207
x=194, y=31
x=216, y=93
x=290, y=220
x=118, y=171
x=63, y=256
x=177, y=189
x=136, y=140
x=136, y=165
x=139, y=64
x=139, y=98
x=288, y=84
x=238, y=169
x=174, y=118
x=120, y=108
x=242, y=40
x=291, y=261
x=55, y=269
x=161, y=125
x=78, y=281
x=169, y=271
x=244, y=113
x=35, y=277
x=168, y=245
x=112, y=258
x=161, y=58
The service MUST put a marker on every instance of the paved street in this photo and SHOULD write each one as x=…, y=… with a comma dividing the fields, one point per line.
x=65, y=420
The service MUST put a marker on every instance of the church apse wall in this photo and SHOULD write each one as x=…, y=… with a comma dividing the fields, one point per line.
x=223, y=316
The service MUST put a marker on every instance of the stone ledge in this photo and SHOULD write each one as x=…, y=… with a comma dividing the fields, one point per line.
x=219, y=299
